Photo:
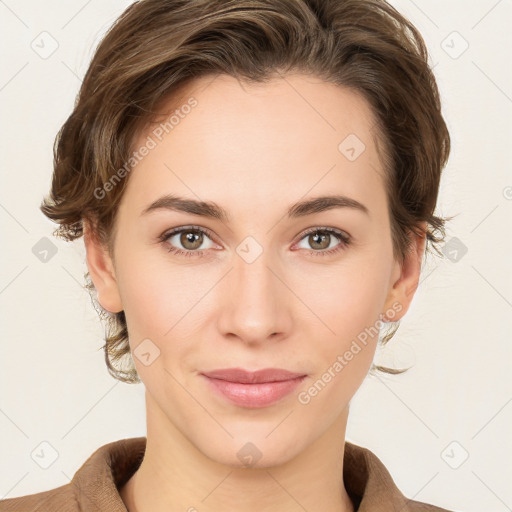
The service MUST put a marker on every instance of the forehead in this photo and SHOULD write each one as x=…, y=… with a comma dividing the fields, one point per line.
x=290, y=135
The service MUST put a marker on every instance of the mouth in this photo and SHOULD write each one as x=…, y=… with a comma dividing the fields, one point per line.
x=253, y=389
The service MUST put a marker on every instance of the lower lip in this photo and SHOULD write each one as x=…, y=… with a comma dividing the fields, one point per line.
x=254, y=395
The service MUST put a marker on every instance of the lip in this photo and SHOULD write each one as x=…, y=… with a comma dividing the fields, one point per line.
x=253, y=389
x=247, y=377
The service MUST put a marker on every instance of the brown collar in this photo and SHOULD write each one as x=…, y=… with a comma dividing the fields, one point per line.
x=366, y=479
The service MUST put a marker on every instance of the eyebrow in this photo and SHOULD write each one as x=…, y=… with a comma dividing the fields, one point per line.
x=212, y=210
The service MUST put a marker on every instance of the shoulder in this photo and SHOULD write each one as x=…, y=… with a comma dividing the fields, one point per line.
x=420, y=506
x=93, y=487
x=60, y=499
x=371, y=486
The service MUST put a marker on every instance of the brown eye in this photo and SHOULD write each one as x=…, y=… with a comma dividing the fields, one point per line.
x=322, y=242
x=187, y=241
x=191, y=240
x=319, y=241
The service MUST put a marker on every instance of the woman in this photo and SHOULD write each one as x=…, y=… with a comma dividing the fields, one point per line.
x=256, y=182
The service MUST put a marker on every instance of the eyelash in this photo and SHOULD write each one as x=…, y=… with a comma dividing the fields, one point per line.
x=343, y=238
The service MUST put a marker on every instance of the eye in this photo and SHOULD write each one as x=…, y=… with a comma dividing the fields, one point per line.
x=185, y=241
x=321, y=240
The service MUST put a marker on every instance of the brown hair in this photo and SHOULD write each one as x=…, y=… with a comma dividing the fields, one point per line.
x=157, y=47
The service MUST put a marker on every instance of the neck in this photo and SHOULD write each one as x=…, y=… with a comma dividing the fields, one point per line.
x=175, y=475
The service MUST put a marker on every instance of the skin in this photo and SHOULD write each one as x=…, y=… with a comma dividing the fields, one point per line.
x=254, y=150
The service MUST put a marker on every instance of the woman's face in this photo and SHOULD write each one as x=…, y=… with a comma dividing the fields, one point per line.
x=270, y=285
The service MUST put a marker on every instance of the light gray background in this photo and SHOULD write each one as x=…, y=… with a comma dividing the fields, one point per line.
x=456, y=401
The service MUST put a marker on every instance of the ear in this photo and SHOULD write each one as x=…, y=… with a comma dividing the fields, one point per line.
x=405, y=278
x=101, y=270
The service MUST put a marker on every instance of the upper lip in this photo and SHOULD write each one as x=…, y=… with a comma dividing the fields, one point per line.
x=248, y=377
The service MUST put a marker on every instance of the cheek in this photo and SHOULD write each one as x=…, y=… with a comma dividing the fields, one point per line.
x=348, y=308
x=163, y=304
x=347, y=299
x=156, y=294
x=347, y=302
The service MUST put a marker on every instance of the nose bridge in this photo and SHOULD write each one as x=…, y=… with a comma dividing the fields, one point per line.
x=257, y=307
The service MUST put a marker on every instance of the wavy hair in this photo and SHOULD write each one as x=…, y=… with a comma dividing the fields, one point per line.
x=158, y=47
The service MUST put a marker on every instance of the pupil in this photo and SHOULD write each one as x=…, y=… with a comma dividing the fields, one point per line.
x=318, y=239
x=192, y=238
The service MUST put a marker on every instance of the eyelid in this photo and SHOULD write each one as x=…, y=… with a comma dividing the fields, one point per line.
x=167, y=234
x=327, y=229
x=343, y=237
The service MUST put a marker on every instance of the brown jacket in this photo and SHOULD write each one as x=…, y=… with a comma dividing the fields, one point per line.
x=94, y=486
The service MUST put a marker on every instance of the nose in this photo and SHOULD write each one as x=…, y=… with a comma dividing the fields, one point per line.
x=255, y=304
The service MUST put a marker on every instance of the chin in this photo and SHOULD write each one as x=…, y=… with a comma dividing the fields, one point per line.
x=256, y=452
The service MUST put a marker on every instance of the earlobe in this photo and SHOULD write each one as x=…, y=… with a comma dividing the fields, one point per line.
x=101, y=270
x=403, y=287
